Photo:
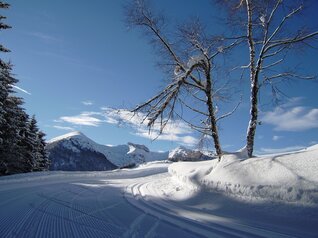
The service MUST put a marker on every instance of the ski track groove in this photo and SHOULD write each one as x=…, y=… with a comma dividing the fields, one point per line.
x=88, y=215
x=78, y=212
x=243, y=228
x=45, y=211
x=226, y=231
x=183, y=224
x=69, y=209
x=103, y=208
x=42, y=227
x=11, y=219
x=167, y=218
x=131, y=231
x=53, y=217
x=152, y=229
x=133, y=200
x=20, y=226
x=11, y=199
x=32, y=223
x=137, y=193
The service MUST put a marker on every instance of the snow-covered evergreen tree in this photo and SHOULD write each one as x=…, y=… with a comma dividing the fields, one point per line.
x=43, y=162
x=5, y=87
x=36, y=138
x=22, y=145
x=3, y=69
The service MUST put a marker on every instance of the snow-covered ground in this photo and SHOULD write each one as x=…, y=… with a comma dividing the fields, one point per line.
x=270, y=196
x=290, y=177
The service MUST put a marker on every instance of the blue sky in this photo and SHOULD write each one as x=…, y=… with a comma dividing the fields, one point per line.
x=76, y=61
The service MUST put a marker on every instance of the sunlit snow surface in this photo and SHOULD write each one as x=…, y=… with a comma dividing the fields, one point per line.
x=271, y=196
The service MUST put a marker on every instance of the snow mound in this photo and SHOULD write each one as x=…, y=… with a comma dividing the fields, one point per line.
x=290, y=177
x=183, y=154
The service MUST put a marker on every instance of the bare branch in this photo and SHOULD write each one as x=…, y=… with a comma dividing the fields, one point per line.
x=192, y=108
x=235, y=37
x=201, y=129
x=273, y=12
x=172, y=95
x=274, y=53
x=199, y=99
x=289, y=74
x=273, y=64
x=225, y=48
x=279, y=27
x=217, y=91
x=149, y=22
x=194, y=85
x=164, y=105
x=240, y=67
x=165, y=91
x=191, y=62
x=231, y=112
x=289, y=41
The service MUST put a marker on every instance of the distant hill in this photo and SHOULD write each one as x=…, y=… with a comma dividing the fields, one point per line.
x=184, y=154
x=76, y=152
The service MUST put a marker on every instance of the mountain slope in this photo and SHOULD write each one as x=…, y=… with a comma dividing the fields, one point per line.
x=72, y=153
x=75, y=151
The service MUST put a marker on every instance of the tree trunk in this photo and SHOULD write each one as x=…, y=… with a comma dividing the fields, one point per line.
x=212, y=117
x=253, y=119
x=254, y=84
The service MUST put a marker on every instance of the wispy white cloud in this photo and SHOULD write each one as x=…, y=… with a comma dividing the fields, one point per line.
x=276, y=138
x=110, y=145
x=21, y=89
x=168, y=136
x=65, y=128
x=289, y=117
x=71, y=60
x=87, y=103
x=175, y=130
x=292, y=102
x=85, y=119
x=44, y=36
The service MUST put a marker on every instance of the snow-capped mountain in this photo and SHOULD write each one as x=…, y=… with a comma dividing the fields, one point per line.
x=184, y=154
x=76, y=152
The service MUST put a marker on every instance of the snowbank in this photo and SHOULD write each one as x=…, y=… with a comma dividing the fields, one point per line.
x=288, y=177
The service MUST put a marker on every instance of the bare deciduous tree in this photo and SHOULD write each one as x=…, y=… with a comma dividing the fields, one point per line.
x=189, y=63
x=270, y=35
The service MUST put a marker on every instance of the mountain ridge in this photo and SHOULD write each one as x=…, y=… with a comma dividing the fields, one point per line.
x=79, y=146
